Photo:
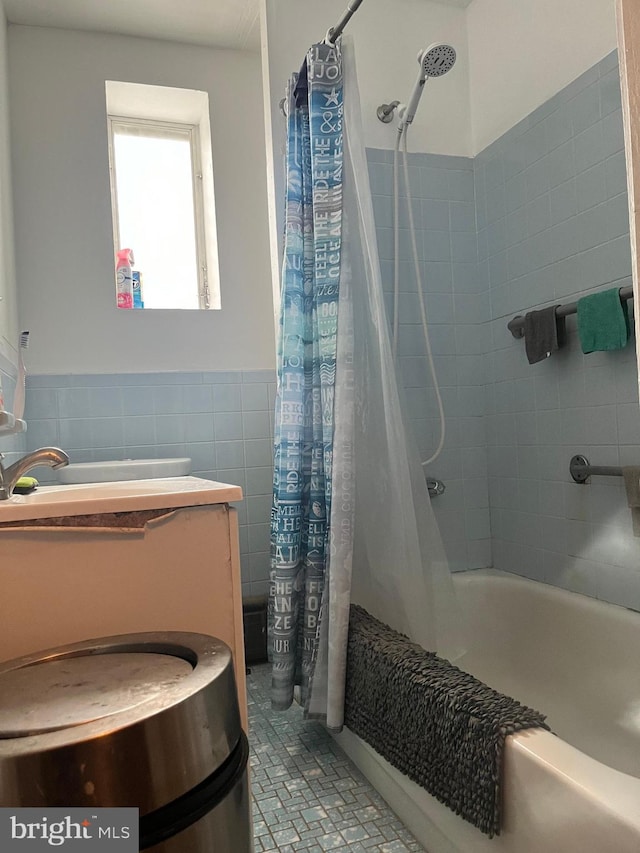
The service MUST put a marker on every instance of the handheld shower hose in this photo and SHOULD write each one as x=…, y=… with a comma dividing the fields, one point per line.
x=434, y=62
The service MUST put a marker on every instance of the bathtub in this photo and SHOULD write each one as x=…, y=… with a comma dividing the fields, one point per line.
x=578, y=661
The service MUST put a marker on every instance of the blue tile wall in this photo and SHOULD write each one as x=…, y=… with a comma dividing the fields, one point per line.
x=545, y=221
x=457, y=305
x=553, y=225
x=222, y=420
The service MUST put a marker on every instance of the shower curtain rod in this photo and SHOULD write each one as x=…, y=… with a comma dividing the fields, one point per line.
x=336, y=31
x=332, y=35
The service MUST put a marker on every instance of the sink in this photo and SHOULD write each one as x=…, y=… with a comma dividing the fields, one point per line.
x=124, y=469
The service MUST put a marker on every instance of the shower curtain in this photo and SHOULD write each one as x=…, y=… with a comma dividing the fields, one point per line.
x=351, y=516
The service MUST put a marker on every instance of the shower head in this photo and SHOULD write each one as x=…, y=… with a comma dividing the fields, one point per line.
x=437, y=60
x=434, y=61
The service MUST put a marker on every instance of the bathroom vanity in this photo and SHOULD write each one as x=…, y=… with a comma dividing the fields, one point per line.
x=91, y=560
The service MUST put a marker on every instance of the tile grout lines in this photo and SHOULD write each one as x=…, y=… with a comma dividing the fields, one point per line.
x=307, y=795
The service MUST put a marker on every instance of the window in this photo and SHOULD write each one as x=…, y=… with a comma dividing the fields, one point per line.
x=159, y=198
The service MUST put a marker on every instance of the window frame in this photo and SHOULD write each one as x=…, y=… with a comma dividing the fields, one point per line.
x=170, y=129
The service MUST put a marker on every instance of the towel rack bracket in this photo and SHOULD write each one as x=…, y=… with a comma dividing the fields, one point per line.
x=516, y=326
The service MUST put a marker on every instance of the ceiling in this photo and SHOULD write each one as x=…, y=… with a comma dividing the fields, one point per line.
x=220, y=23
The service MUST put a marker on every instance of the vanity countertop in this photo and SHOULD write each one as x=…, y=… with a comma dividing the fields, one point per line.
x=119, y=496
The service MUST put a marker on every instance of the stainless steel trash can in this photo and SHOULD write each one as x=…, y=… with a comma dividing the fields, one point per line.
x=143, y=720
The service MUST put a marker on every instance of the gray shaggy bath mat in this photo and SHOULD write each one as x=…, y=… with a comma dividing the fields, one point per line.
x=438, y=725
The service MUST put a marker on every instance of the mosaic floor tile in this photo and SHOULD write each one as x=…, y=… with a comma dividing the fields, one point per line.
x=308, y=797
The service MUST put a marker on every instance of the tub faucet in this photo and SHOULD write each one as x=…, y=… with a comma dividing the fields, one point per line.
x=53, y=457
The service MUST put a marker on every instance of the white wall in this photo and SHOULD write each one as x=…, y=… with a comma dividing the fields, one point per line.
x=513, y=55
x=8, y=313
x=64, y=241
x=387, y=39
x=521, y=52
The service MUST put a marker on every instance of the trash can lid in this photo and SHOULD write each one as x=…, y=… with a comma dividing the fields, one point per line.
x=65, y=692
x=135, y=720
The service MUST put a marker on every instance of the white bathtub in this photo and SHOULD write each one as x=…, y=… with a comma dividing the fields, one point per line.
x=578, y=661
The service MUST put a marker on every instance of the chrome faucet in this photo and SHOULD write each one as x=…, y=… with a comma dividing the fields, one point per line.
x=53, y=457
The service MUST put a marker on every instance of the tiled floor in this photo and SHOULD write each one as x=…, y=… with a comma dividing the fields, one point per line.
x=308, y=796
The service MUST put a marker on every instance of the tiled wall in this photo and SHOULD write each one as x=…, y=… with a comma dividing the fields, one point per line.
x=540, y=216
x=221, y=420
x=553, y=225
x=546, y=222
x=457, y=303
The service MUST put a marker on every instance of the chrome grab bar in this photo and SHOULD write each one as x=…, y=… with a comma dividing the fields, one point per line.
x=581, y=469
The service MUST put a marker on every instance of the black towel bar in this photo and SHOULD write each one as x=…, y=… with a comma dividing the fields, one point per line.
x=516, y=324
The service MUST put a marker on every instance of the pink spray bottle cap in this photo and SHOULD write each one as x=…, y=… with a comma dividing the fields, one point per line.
x=125, y=256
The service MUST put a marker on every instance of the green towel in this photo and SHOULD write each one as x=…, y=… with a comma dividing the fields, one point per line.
x=603, y=321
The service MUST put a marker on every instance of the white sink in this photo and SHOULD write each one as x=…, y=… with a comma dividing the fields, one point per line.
x=124, y=469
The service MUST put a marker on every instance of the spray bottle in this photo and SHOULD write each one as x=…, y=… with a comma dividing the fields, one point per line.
x=124, y=280
x=138, y=296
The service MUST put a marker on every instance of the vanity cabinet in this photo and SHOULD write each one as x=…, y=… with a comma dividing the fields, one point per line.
x=78, y=562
